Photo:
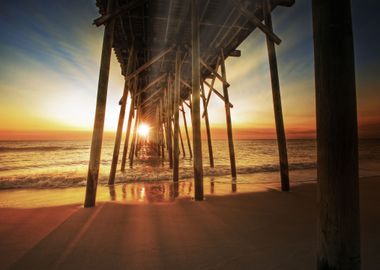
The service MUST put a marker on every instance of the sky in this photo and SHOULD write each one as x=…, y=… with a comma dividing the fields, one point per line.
x=50, y=55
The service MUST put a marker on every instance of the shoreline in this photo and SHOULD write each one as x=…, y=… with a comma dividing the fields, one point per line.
x=149, y=191
x=155, y=191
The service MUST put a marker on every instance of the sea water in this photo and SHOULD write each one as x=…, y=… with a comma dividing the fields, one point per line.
x=54, y=164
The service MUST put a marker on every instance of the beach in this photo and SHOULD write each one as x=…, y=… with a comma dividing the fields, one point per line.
x=145, y=221
x=264, y=229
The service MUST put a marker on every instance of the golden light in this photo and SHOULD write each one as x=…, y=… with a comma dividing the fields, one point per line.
x=143, y=130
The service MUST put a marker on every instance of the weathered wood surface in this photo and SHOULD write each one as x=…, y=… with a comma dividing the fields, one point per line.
x=187, y=132
x=280, y=129
x=97, y=134
x=337, y=137
x=196, y=117
x=231, y=148
x=208, y=130
x=177, y=85
x=119, y=131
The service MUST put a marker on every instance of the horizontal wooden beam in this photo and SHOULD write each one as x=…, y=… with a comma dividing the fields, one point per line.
x=149, y=98
x=217, y=93
x=149, y=63
x=256, y=21
x=284, y=3
x=152, y=83
x=121, y=10
x=235, y=53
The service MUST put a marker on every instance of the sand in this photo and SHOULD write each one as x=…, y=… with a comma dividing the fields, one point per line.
x=260, y=230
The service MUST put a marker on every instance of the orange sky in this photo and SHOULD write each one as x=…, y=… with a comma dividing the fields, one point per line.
x=50, y=65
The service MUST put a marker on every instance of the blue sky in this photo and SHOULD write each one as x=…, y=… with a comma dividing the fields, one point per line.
x=50, y=55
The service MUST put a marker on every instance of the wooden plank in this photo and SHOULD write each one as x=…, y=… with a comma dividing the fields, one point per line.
x=338, y=239
x=97, y=134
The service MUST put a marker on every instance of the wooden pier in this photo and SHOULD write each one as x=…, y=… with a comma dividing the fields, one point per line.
x=171, y=50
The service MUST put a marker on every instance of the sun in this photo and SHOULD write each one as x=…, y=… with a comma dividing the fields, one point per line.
x=143, y=130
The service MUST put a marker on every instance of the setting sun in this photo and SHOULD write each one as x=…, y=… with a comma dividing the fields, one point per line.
x=143, y=130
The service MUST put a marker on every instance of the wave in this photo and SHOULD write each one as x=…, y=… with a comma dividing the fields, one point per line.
x=64, y=180
x=37, y=148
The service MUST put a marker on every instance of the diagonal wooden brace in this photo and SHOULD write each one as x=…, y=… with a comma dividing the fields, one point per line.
x=256, y=21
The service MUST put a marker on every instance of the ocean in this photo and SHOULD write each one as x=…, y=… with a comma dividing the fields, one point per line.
x=59, y=164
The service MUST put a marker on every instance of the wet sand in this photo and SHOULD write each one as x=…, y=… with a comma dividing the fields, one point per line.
x=265, y=229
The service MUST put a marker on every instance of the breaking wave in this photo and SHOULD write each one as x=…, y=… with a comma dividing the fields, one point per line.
x=64, y=180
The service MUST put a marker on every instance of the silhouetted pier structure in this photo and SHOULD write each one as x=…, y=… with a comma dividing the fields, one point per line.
x=172, y=51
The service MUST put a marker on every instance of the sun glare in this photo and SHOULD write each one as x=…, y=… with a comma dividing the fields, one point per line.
x=143, y=130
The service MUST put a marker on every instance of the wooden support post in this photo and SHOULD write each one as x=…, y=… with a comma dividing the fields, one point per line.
x=177, y=88
x=97, y=135
x=115, y=156
x=228, y=118
x=337, y=137
x=162, y=131
x=208, y=131
x=182, y=145
x=280, y=130
x=134, y=135
x=129, y=125
x=187, y=132
x=169, y=140
x=157, y=131
x=196, y=116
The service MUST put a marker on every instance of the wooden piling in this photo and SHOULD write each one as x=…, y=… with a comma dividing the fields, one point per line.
x=228, y=117
x=162, y=140
x=187, y=132
x=169, y=140
x=177, y=84
x=129, y=125
x=196, y=117
x=337, y=138
x=134, y=135
x=115, y=156
x=97, y=135
x=182, y=145
x=280, y=130
x=208, y=131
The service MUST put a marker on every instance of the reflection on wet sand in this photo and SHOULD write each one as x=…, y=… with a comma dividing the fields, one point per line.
x=150, y=192
x=165, y=191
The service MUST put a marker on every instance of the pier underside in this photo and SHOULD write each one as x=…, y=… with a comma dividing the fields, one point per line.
x=171, y=52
